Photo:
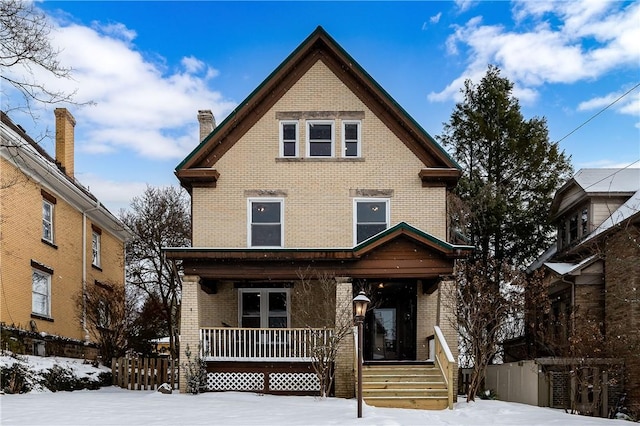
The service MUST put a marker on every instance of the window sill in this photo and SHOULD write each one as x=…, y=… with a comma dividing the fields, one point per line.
x=319, y=159
x=96, y=267
x=49, y=243
x=41, y=317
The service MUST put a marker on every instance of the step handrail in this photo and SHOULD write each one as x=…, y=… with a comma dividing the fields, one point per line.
x=445, y=361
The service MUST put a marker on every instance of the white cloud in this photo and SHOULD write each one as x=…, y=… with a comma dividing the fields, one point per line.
x=560, y=42
x=465, y=5
x=140, y=105
x=624, y=103
x=114, y=195
x=436, y=18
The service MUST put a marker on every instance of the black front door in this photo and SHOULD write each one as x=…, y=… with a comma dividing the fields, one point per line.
x=390, y=324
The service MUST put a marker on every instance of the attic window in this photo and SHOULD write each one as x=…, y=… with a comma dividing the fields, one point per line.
x=289, y=139
x=320, y=138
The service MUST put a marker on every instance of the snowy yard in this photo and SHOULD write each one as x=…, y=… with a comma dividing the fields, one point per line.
x=115, y=406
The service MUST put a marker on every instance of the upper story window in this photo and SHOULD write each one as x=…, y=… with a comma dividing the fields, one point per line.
x=371, y=216
x=573, y=227
x=320, y=138
x=351, y=138
x=95, y=247
x=41, y=293
x=289, y=145
x=264, y=308
x=265, y=222
x=47, y=221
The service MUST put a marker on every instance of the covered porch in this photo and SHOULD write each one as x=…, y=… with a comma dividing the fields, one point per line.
x=242, y=309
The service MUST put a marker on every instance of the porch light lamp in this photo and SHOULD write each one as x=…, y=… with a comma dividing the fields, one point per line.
x=360, y=303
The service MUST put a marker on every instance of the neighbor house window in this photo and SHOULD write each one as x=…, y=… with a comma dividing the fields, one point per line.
x=41, y=293
x=47, y=221
x=351, y=138
x=95, y=248
x=320, y=138
x=264, y=308
x=265, y=222
x=371, y=216
x=289, y=139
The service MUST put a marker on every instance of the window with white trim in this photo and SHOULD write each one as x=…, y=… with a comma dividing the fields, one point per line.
x=265, y=222
x=264, y=307
x=47, y=221
x=351, y=139
x=371, y=216
x=320, y=138
x=95, y=248
x=289, y=146
x=41, y=293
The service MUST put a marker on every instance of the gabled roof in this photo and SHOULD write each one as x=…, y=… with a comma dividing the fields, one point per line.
x=319, y=46
x=593, y=182
x=563, y=269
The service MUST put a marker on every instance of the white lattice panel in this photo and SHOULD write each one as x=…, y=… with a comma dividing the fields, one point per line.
x=235, y=381
x=294, y=382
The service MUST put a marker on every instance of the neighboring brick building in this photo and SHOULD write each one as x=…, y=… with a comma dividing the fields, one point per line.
x=56, y=238
x=593, y=273
x=318, y=171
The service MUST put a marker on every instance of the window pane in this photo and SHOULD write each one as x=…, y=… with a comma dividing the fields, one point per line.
x=251, y=322
x=372, y=212
x=573, y=228
x=277, y=322
x=265, y=235
x=320, y=149
x=268, y=212
x=320, y=131
x=289, y=149
x=351, y=131
x=289, y=132
x=277, y=303
x=366, y=231
x=251, y=304
x=351, y=149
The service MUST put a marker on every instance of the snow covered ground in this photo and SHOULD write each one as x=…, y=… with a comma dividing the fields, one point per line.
x=115, y=406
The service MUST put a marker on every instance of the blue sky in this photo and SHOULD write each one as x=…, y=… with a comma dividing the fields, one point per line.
x=149, y=66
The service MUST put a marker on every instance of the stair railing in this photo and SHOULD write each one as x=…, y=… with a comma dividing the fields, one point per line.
x=445, y=361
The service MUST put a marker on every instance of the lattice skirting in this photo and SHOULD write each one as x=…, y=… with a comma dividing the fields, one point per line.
x=268, y=377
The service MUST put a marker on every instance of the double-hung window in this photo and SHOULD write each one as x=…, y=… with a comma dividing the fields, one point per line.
x=95, y=248
x=320, y=138
x=371, y=216
x=264, y=308
x=351, y=138
x=265, y=222
x=41, y=293
x=289, y=145
x=47, y=221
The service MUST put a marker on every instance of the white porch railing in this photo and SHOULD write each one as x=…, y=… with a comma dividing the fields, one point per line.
x=261, y=344
x=444, y=359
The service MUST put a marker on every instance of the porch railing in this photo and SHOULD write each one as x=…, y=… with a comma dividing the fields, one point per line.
x=444, y=359
x=261, y=344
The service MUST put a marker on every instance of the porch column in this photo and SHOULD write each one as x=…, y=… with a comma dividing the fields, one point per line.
x=345, y=359
x=448, y=323
x=189, y=323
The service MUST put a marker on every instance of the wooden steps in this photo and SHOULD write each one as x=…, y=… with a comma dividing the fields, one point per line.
x=404, y=386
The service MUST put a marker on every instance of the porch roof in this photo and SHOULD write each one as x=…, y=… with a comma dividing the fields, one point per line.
x=401, y=251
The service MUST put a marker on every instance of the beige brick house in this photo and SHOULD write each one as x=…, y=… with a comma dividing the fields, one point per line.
x=56, y=239
x=593, y=276
x=319, y=173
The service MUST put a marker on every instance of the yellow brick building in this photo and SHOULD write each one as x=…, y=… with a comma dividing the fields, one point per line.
x=56, y=239
x=318, y=172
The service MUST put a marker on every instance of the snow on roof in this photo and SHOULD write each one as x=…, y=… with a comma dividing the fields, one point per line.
x=608, y=180
x=568, y=268
x=630, y=208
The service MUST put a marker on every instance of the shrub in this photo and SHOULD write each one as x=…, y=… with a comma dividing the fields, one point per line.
x=16, y=379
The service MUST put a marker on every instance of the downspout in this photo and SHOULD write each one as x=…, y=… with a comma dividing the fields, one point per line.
x=84, y=270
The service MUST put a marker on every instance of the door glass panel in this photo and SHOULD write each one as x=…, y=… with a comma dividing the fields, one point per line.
x=384, y=330
x=251, y=309
x=277, y=310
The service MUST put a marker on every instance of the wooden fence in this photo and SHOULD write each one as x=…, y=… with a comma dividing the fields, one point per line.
x=144, y=373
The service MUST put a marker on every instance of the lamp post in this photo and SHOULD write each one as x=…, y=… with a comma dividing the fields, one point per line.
x=360, y=303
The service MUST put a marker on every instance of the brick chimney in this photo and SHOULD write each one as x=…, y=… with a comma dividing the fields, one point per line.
x=64, y=139
x=207, y=123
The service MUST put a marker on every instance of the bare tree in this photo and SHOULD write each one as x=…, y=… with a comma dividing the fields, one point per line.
x=25, y=46
x=486, y=314
x=159, y=218
x=108, y=312
x=316, y=303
